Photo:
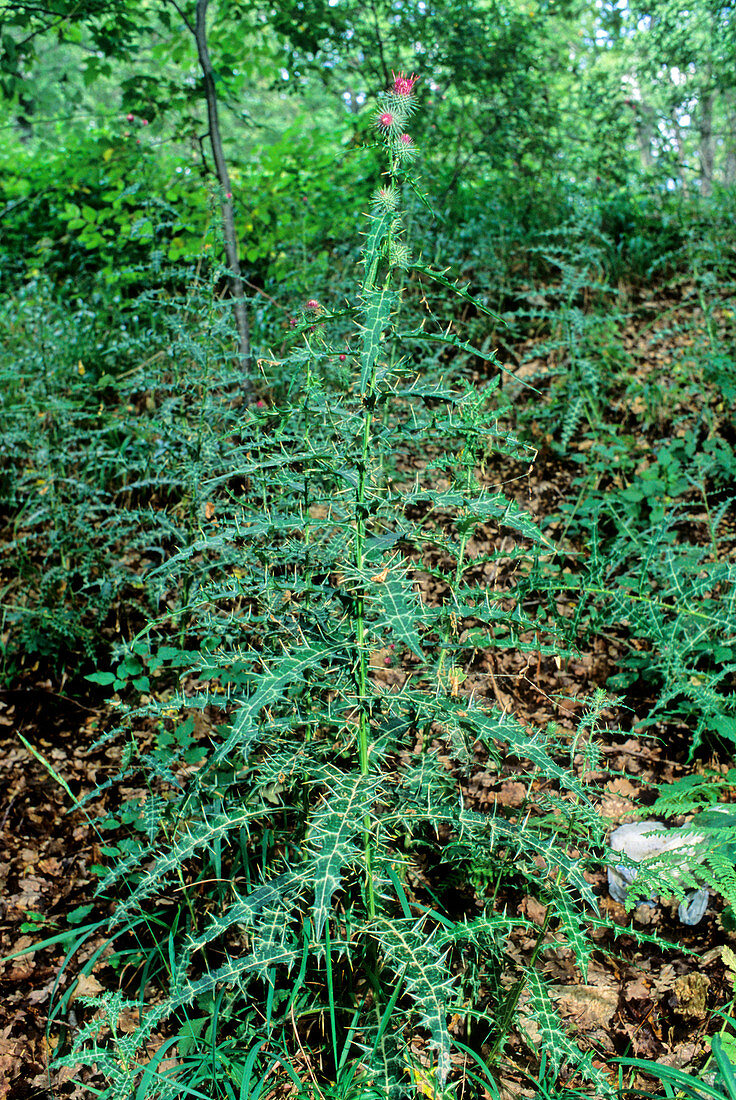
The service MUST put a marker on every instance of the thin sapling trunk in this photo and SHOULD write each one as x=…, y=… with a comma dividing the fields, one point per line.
x=228, y=218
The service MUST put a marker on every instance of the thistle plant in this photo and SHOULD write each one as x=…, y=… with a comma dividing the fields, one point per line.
x=318, y=853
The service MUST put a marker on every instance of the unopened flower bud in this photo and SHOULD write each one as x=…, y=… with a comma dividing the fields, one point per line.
x=386, y=199
x=405, y=147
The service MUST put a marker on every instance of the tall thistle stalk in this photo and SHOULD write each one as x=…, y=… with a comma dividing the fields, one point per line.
x=383, y=244
x=323, y=843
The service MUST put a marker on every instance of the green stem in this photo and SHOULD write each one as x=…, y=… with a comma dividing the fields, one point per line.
x=368, y=396
x=364, y=719
x=331, y=992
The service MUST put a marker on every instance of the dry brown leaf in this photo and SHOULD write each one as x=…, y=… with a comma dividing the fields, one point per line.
x=619, y=799
x=21, y=969
x=692, y=995
x=7, y=1065
x=511, y=794
x=665, y=980
x=86, y=986
x=682, y=1056
x=638, y=990
x=533, y=909
x=512, y=1090
x=129, y=1021
x=588, y=1005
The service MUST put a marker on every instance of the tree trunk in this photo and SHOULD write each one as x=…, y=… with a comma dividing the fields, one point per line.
x=645, y=130
x=228, y=219
x=729, y=161
x=705, y=132
x=679, y=147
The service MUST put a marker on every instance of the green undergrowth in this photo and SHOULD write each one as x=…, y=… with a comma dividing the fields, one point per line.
x=636, y=405
x=110, y=434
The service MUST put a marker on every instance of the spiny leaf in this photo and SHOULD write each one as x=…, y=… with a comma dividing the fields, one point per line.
x=379, y=223
x=264, y=916
x=524, y=745
x=555, y=1041
x=575, y=928
x=472, y=511
x=201, y=837
x=272, y=683
x=399, y=612
x=460, y=345
x=230, y=974
x=378, y=304
x=460, y=291
x=414, y=956
x=333, y=827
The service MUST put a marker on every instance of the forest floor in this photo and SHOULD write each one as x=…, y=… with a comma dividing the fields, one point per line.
x=640, y=999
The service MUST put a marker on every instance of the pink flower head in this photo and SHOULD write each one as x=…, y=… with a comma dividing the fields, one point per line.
x=406, y=139
x=342, y=358
x=130, y=118
x=313, y=304
x=144, y=122
x=386, y=120
x=228, y=194
x=403, y=84
x=260, y=404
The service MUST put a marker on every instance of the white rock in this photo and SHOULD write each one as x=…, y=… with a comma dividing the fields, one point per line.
x=643, y=840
